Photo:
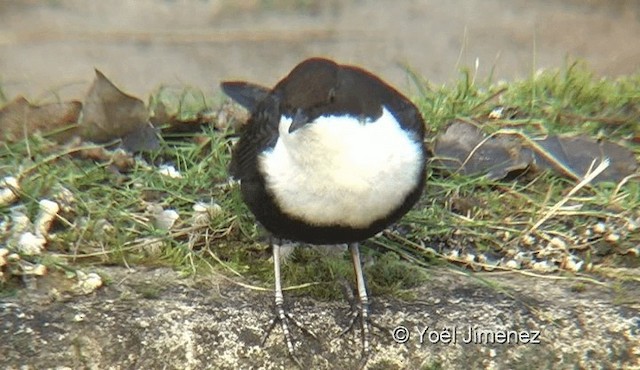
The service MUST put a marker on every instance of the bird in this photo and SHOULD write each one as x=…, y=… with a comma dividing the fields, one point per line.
x=330, y=155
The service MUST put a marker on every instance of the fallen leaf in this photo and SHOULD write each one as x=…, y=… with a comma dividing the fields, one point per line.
x=120, y=160
x=464, y=148
x=20, y=119
x=145, y=138
x=574, y=156
x=110, y=114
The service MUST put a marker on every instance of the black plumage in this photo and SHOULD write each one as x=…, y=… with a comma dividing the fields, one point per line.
x=315, y=87
x=318, y=88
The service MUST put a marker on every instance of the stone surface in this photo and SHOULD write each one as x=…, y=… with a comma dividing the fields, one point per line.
x=151, y=319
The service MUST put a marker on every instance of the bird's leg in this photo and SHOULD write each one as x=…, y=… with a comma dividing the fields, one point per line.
x=280, y=314
x=362, y=309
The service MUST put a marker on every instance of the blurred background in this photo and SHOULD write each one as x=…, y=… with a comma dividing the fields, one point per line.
x=48, y=49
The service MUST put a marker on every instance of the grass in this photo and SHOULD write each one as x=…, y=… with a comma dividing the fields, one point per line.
x=108, y=220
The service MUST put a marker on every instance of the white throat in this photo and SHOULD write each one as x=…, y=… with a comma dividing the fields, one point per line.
x=341, y=171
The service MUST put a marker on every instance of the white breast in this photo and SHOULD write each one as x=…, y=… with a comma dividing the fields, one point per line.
x=338, y=170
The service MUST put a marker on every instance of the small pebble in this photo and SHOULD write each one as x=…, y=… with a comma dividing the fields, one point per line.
x=87, y=283
x=469, y=257
x=543, y=266
x=212, y=209
x=528, y=240
x=522, y=257
x=4, y=252
x=600, y=228
x=153, y=247
x=48, y=212
x=453, y=254
x=496, y=113
x=65, y=198
x=20, y=223
x=8, y=190
x=512, y=264
x=612, y=238
x=506, y=236
x=169, y=171
x=558, y=243
x=573, y=264
x=30, y=244
x=36, y=270
x=166, y=219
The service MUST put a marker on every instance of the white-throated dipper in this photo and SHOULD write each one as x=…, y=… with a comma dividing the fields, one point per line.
x=330, y=155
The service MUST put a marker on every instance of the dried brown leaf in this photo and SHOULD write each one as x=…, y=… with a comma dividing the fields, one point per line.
x=110, y=114
x=119, y=160
x=574, y=156
x=19, y=119
x=463, y=148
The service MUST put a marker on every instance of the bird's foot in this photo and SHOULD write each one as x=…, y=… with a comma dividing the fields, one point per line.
x=285, y=318
x=360, y=313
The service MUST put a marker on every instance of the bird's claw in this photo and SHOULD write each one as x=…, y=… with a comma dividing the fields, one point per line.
x=284, y=318
x=361, y=312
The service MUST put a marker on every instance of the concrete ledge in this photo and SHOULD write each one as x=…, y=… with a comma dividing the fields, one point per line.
x=191, y=325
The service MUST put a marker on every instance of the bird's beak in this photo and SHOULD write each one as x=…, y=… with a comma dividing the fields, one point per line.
x=299, y=120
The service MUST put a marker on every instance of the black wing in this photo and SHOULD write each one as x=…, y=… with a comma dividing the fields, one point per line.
x=260, y=133
x=247, y=94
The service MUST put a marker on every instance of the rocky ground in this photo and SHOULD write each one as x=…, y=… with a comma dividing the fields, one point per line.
x=152, y=319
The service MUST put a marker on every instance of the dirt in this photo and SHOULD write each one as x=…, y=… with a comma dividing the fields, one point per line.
x=48, y=49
